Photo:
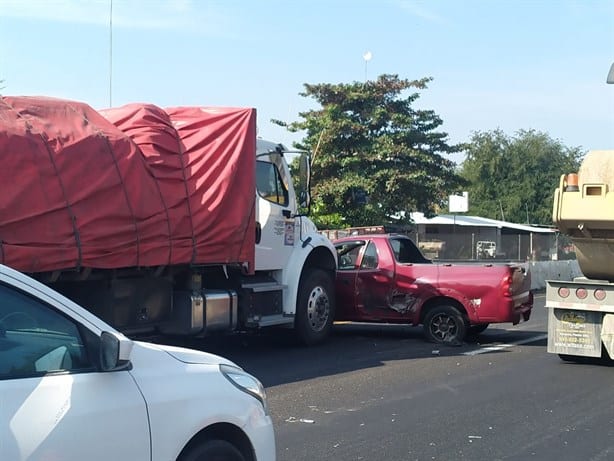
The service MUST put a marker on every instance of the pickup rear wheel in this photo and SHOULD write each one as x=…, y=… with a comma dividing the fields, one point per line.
x=314, y=307
x=214, y=450
x=445, y=324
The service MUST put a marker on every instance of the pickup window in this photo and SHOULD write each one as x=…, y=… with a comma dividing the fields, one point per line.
x=369, y=259
x=348, y=254
x=405, y=252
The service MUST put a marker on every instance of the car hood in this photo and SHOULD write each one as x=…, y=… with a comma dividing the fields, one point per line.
x=190, y=355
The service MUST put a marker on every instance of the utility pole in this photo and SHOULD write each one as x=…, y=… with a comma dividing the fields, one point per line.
x=110, y=53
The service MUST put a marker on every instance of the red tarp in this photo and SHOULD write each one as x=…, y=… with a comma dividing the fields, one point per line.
x=139, y=186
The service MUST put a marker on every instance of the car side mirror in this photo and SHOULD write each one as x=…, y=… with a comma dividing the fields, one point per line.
x=114, y=351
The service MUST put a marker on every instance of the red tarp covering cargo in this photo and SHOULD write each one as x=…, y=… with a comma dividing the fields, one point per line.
x=139, y=186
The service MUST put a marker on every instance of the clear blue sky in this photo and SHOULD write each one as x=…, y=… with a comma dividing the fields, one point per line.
x=496, y=64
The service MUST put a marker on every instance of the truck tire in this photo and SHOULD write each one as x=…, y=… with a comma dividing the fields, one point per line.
x=445, y=324
x=315, y=307
x=213, y=450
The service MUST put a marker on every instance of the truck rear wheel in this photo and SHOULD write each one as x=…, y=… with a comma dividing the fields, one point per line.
x=445, y=324
x=315, y=307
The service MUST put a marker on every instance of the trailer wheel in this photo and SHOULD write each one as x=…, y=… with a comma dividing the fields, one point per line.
x=213, y=450
x=445, y=324
x=315, y=307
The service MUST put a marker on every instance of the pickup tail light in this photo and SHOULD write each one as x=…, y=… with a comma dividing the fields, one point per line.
x=506, y=285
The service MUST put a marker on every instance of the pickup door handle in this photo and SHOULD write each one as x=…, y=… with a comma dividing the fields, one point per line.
x=380, y=278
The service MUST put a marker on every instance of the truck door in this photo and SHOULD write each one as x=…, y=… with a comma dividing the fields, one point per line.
x=275, y=209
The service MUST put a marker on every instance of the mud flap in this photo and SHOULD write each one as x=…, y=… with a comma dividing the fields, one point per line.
x=607, y=333
x=575, y=332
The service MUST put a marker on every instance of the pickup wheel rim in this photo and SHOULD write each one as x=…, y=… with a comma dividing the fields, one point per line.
x=445, y=324
x=318, y=308
x=444, y=327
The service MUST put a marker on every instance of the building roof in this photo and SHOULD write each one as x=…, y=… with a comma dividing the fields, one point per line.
x=476, y=221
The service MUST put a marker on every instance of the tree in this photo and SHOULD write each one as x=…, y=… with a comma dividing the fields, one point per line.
x=513, y=178
x=375, y=157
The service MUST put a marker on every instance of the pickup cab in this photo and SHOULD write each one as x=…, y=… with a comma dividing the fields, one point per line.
x=384, y=278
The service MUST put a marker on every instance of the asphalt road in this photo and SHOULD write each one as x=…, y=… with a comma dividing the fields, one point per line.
x=383, y=393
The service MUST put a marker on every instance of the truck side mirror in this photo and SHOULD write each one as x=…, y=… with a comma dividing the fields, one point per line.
x=303, y=199
x=304, y=170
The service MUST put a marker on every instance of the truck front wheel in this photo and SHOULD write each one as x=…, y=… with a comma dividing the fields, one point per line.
x=445, y=324
x=315, y=307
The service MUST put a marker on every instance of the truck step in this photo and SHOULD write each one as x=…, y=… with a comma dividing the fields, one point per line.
x=272, y=320
x=260, y=287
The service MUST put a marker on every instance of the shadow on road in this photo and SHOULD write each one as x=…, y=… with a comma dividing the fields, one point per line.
x=275, y=358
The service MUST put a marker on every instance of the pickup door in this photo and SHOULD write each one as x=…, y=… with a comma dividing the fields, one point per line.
x=371, y=289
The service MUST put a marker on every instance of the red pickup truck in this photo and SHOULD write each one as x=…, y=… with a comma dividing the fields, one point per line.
x=385, y=278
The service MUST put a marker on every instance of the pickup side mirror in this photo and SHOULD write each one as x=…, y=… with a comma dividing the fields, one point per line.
x=610, y=78
x=114, y=351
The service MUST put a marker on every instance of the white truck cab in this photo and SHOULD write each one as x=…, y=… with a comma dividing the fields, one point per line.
x=292, y=259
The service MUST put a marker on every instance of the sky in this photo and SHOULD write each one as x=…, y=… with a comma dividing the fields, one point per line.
x=504, y=64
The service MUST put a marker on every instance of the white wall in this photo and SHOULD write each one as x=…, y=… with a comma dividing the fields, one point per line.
x=552, y=270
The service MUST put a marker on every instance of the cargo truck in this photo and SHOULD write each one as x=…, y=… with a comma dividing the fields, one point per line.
x=175, y=221
x=581, y=311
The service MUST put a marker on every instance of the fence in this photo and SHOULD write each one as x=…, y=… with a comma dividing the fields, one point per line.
x=477, y=243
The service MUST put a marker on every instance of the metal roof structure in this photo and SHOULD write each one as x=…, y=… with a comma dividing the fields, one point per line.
x=476, y=221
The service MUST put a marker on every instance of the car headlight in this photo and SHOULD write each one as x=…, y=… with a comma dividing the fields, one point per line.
x=245, y=382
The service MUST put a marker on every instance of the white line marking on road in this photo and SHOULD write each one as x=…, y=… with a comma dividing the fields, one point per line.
x=500, y=347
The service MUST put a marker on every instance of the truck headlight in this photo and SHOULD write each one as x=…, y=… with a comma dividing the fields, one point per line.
x=245, y=382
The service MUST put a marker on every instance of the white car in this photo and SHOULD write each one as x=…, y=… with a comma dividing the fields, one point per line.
x=73, y=388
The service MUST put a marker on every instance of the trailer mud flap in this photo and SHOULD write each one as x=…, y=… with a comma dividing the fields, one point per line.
x=574, y=332
x=607, y=333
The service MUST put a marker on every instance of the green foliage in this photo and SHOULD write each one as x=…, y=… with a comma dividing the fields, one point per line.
x=513, y=178
x=368, y=141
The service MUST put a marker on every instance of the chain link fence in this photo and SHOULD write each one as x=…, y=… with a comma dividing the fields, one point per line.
x=479, y=244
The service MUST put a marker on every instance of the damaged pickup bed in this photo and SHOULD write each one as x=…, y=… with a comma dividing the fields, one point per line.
x=385, y=279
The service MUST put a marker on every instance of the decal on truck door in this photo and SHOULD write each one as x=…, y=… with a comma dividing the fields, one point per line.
x=289, y=233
